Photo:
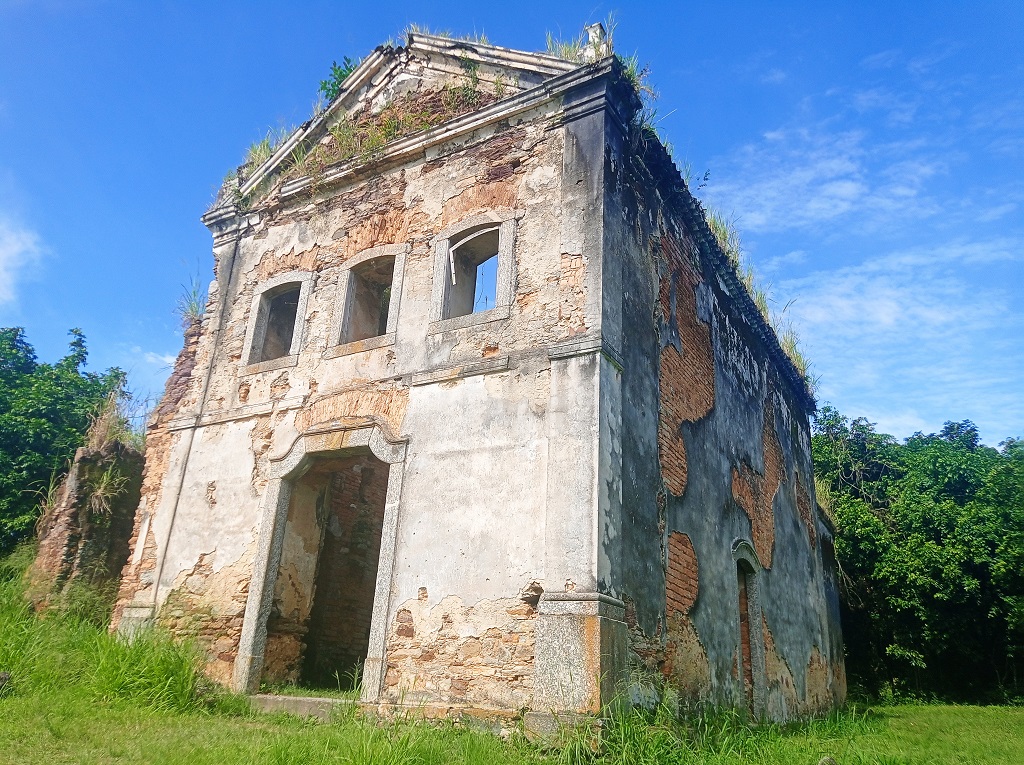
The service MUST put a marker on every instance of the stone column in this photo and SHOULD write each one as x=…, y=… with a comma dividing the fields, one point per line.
x=580, y=655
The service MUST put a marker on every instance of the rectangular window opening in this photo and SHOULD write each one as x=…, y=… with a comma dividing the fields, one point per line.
x=473, y=271
x=369, y=300
x=281, y=310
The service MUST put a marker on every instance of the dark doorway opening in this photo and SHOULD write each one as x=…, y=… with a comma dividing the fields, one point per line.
x=744, y=574
x=319, y=628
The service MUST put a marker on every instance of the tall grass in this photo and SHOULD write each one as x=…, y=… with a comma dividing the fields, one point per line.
x=78, y=694
x=728, y=237
x=68, y=652
x=663, y=736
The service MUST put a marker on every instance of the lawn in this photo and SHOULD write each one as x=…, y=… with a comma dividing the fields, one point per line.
x=51, y=729
x=79, y=695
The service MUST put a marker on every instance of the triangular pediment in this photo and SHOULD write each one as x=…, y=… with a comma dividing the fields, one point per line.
x=394, y=93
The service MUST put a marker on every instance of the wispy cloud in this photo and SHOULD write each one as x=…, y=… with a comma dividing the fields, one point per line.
x=807, y=177
x=163, y=359
x=882, y=60
x=152, y=358
x=774, y=77
x=792, y=258
x=899, y=108
x=909, y=338
x=997, y=212
x=20, y=248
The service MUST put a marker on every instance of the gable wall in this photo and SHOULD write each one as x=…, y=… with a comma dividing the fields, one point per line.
x=471, y=541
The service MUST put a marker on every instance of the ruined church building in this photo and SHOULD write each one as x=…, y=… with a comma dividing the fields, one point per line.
x=480, y=415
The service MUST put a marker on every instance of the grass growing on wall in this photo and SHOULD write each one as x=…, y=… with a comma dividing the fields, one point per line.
x=80, y=695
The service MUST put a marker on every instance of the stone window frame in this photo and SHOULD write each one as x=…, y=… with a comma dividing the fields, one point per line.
x=258, y=316
x=343, y=297
x=743, y=550
x=506, y=280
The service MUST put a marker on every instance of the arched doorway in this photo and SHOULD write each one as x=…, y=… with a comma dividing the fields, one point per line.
x=318, y=627
x=329, y=524
x=744, y=574
x=750, y=650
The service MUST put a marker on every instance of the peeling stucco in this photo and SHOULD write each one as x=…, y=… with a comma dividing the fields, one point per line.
x=562, y=479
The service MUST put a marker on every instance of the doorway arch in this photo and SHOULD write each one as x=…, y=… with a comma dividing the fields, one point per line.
x=751, y=637
x=284, y=471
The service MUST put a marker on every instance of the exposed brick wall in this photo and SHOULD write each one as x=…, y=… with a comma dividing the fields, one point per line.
x=207, y=606
x=385, y=402
x=755, y=492
x=681, y=582
x=339, y=623
x=686, y=377
x=82, y=542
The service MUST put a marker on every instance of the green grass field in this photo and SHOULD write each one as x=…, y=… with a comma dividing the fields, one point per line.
x=79, y=695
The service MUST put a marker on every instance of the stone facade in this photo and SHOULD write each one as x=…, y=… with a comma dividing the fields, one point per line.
x=480, y=413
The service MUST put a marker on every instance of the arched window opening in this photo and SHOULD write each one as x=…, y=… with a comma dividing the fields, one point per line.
x=473, y=271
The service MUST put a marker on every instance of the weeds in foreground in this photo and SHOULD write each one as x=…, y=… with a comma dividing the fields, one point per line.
x=580, y=48
x=191, y=303
x=68, y=653
x=75, y=688
x=112, y=421
x=331, y=87
x=365, y=135
x=422, y=29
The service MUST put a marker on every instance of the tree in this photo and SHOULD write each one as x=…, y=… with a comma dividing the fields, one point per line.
x=930, y=538
x=45, y=410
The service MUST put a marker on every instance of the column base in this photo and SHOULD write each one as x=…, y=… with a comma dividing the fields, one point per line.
x=580, y=652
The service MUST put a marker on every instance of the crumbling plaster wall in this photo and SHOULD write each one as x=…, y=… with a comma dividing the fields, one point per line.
x=715, y=449
x=482, y=446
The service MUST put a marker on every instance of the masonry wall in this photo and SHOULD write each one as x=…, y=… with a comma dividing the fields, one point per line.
x=499, y=418
x=716, y=453
x=616, y=430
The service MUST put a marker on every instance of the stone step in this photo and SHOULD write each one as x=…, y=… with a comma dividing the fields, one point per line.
x=302, y=706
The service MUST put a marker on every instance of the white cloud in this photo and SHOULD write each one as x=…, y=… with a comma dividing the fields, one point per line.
x=882, y=60
x=899, y=108
x=997, y=212
x=773, y=77
x=800, y=178
x=156, y=359
x=912, y=339
x=163, y=359
x=792, y=258
x=19, y=249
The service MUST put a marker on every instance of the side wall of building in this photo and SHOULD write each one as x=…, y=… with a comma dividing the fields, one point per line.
x=717, y=494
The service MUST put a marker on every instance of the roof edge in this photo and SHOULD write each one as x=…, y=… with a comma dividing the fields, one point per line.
x=662, y=168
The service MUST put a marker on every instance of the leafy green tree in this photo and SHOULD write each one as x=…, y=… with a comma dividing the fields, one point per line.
x=45, y=410
x=930, y=539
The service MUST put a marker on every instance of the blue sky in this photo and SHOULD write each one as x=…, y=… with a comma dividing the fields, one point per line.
x=872, y=154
